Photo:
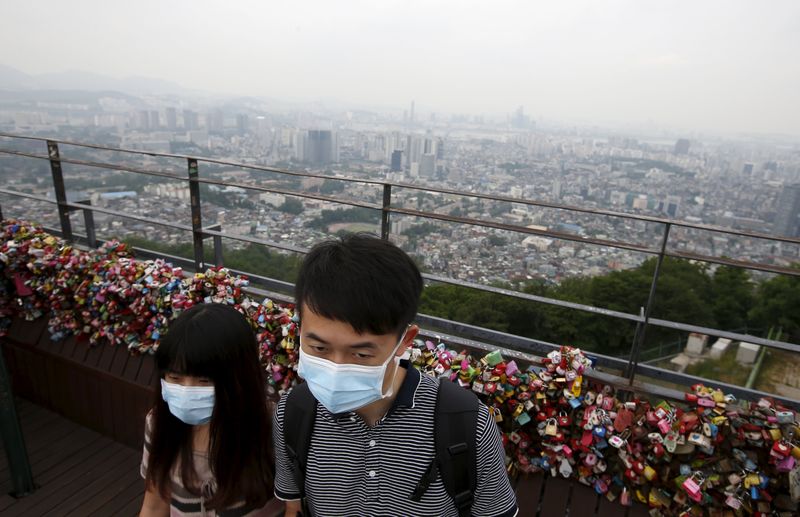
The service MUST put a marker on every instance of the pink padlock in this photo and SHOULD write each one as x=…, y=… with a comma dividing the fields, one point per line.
x=693, y=486
x=590, y=460
x=664, y=425
x=785, y=464
x=706, y=402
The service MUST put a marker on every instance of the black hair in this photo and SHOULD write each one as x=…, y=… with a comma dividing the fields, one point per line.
x=215, y=341
x=362, y=280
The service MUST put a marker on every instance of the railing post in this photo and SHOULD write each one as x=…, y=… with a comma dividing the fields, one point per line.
x=217, y=244
x=197, y=219
x=13, y=439
x=88, y=220
x=1, y=213
x=61, y=194
x=641, y=327
x=387, y=202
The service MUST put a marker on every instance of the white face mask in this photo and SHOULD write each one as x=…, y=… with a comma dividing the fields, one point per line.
x=192, y=404
x=346, y=387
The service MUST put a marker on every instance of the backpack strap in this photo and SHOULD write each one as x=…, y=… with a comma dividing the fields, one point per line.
x=299, y=414
x=455, y=427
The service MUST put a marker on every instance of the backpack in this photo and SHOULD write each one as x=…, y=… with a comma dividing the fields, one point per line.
x=455, y=425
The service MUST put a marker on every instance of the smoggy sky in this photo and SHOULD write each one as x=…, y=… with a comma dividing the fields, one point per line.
x=696, y=65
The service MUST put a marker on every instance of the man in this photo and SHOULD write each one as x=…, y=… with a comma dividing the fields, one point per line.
x=373, y=433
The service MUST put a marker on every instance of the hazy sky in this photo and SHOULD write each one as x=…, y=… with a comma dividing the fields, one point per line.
x=697, y=65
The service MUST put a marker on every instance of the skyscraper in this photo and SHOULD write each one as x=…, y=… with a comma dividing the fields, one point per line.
x=682, y=146
x=242, y=123
x=172, y=119
x=397, y=161
x=318, y=147
x=787, y=213
x=190, y=120
x=411, y=115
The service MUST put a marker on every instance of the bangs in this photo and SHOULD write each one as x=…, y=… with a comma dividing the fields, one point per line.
x=185, y=356
x=200, y=343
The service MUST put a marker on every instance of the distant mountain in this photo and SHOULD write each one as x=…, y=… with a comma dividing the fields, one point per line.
x=13, y=79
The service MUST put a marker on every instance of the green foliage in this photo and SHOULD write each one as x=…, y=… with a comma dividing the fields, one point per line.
x=292, y=206
x=349, y=215
x=778, y=305
x=421, y=230
x=686, y=292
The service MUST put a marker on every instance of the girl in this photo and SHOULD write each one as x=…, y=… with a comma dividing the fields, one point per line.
x=205, y=449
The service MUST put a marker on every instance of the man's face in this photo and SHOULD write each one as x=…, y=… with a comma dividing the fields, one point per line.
x=338, y=342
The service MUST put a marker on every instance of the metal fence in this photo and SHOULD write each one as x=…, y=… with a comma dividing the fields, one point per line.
x=625, y=371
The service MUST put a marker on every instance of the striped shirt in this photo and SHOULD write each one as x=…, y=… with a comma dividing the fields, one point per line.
x=184, y=503
x=355, y=469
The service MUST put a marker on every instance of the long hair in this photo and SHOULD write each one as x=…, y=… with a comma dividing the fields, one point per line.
x=215, y=341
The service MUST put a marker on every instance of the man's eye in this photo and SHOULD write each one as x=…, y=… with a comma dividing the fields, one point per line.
x=362, y=356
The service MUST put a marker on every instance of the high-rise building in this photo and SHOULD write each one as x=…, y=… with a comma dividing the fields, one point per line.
x=397, y=161
x=787, y=214
x=172, y=119
x=747, y=169
x=427, y=165
x=411, y=113
x=682, y=146
x=672, y=206
x=216, y=121
x=190, y=122
x=318, y=147
x=242, y=123
x=155, y=121
x=143, y=120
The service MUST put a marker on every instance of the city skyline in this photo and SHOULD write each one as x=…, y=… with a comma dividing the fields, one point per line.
x=721, y=67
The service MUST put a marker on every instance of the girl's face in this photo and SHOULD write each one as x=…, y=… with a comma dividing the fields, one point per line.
x=187, y=380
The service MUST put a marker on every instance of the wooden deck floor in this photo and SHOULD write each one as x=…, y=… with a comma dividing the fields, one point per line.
x=78, y=471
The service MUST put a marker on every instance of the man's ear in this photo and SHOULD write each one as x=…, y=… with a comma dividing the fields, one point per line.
x=410, y=334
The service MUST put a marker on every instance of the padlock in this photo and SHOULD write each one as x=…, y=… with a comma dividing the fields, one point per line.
x=785, y=417
x=564, y=420
x=698, y=439
x=785, y=464
x=782, y=448
x=706, y=402
x=599, y=431
x=733, y=501
x=752, y=480
x=551, y=427
x=565, y=469
x=616, y=441
x=693, y=486
x=664, y=425
x=590, y=460
x=625, y=497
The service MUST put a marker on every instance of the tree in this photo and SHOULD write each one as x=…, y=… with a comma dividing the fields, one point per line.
x=292, y=206
x=733, y=297
x=778, y=305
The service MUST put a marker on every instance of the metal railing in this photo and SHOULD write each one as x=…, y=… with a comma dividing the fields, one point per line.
x=458, y=332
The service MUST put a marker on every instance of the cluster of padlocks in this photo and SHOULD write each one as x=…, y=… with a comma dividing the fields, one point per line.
x=706, y=454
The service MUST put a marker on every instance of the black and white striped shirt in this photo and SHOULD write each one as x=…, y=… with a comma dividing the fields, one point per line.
x=355, y=469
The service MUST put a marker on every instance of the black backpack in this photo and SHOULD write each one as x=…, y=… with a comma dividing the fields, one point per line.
x=455, y=426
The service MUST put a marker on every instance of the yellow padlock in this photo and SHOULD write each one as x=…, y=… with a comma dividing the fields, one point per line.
x=752, y=480
x=775, y=434
x=796, y=452
x=649, y=473
x=576, y=386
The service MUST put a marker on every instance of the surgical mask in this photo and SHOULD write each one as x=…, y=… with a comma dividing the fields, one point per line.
x=191, y=404
x=342, y=388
